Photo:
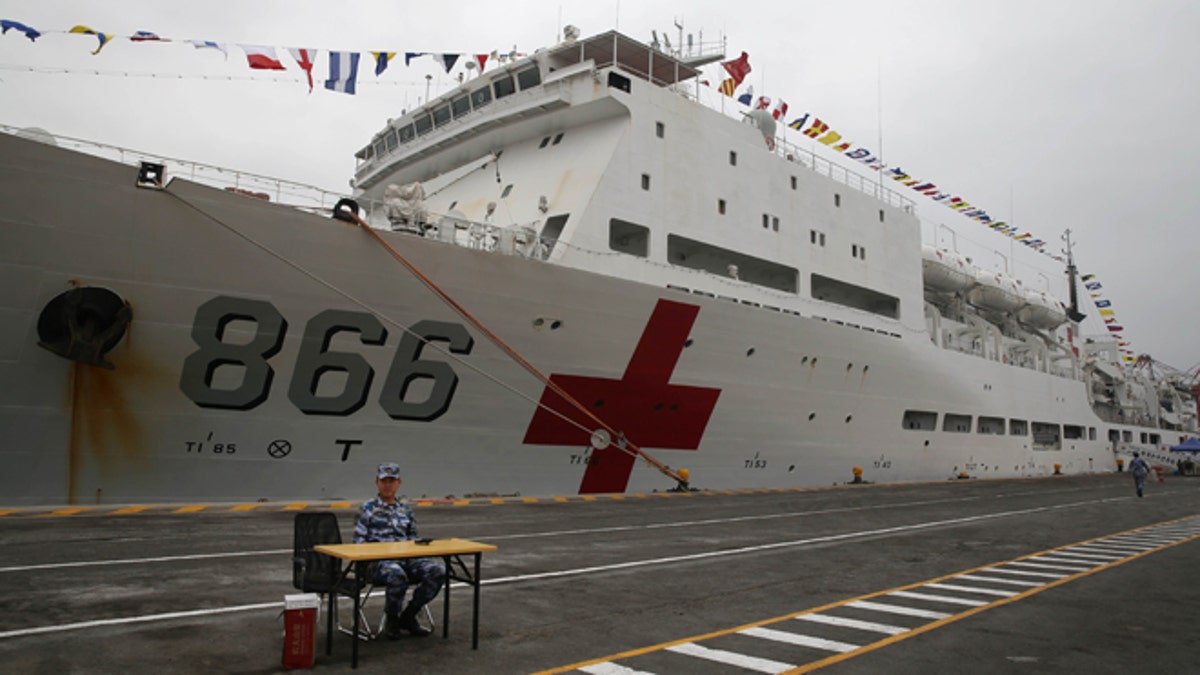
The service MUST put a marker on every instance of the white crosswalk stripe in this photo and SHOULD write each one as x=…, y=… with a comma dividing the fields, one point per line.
x=937, y=598
x=799, y=639
x=853, y=623
x=896, y=609
x=754, y=663
x=997, y=580
x=971, y=589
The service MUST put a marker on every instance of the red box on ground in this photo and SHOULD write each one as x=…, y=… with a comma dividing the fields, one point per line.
x=300, y=630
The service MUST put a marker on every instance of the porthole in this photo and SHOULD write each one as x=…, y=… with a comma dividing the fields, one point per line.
x=750, y=352
x=687, y=343
x=555, y=324
x=848, y=418
x=812, y=416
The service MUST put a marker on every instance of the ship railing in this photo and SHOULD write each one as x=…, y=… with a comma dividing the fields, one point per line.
x=288, y=193
x=872, y=186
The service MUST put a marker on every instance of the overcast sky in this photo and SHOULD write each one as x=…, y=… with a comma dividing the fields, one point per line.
x=1049, y=114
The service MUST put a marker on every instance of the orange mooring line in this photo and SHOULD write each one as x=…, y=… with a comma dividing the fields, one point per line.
x=512, y=353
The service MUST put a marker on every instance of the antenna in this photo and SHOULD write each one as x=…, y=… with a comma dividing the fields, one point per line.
x=1073, y=311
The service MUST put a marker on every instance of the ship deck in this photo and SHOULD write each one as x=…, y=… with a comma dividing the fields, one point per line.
x=657, y=583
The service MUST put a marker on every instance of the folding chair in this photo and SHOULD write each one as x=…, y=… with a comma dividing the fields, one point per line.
x=314, y=572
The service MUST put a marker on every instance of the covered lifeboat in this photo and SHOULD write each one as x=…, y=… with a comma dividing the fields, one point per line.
x=1042, y=311
x=945, y=271
x=996, y=291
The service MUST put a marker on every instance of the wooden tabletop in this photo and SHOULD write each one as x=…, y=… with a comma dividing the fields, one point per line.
x=387, y=550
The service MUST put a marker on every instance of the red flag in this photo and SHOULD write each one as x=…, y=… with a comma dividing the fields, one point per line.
x=738, y=68
x=262, y=58
x=481, y=59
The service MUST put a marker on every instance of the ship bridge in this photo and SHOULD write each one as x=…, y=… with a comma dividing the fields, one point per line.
x=636, y=58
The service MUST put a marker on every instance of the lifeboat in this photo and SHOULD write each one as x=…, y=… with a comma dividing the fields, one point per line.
x=945, y=271
x=1042, y=311
x=996, y=291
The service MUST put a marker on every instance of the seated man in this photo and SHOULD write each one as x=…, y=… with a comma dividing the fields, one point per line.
x=385, y=518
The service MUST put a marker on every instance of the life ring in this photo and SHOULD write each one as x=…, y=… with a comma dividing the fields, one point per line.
x=83, y=324
x=346, y=209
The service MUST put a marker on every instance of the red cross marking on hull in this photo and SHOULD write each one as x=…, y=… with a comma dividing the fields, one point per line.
x=643, y=405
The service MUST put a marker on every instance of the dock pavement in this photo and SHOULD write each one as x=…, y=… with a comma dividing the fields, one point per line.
x=1041, y=575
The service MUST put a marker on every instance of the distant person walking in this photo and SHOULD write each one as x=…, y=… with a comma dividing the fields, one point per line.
x=1139, y=468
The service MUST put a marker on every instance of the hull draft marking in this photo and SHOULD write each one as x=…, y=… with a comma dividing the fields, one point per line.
x=642, y=405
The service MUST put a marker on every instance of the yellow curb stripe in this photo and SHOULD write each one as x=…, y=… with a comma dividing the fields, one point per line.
x=341, y=505
x=63, y=512
x=128, y=510
x=497, y=501
x=462, y=502
x=837, y=658
x=561, y=499
x=194, y=508
x=529, y=500
x=296, y=507
x=245, y=507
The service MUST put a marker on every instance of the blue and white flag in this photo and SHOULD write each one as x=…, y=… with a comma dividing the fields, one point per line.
x=343, y=71
x=747, y=96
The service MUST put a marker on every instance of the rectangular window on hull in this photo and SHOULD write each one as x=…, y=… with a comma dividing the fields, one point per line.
x=957, y=423
x=850, y=295
x=1018, y=428
x=991, y=425
x=920, y=419
x=723, y=262
x=625, y=237
x=1072, y=432
x=1047, y=436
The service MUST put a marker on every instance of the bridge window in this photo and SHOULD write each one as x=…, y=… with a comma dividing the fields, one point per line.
x=618, y=81
x=529, y=78
x=504, y=86
x=461, y=105
x=481, y=97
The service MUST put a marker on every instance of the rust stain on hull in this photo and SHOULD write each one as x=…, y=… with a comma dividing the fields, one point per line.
x=105, y=431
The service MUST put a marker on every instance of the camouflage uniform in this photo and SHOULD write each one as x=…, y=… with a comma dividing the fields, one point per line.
x=380, y=521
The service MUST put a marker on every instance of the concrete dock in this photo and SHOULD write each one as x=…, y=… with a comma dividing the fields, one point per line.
x=1047, y=575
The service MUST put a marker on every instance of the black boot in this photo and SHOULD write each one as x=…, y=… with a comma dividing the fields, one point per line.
x=395, y=629
x=408, y=621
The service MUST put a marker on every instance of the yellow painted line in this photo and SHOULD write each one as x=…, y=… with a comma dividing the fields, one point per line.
x=639, y=495
x=616, y=496
x=128, y=510
x=837, y=658
x=245, y=507
x=5, y=512
x=341, y=505
x=560, y=499
x=64, y=512
x=461, y=502
x=586, y=498
x=296, y=507
x=194, y=508
x=529, y=500
x=497, y=501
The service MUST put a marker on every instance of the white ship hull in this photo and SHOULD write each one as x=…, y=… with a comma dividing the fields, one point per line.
x=742, y=395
